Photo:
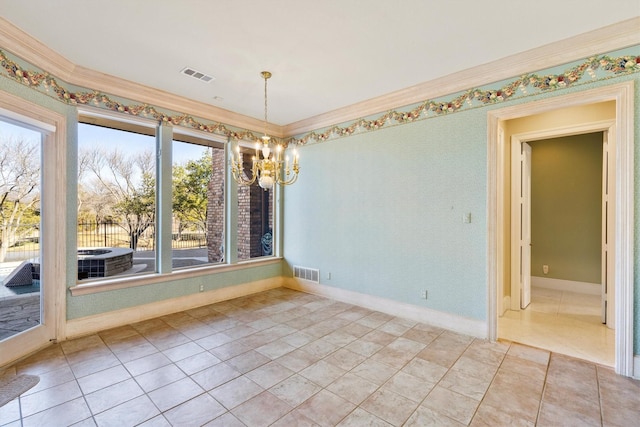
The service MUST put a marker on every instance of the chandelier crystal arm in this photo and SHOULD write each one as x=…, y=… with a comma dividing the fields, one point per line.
x=268, y=167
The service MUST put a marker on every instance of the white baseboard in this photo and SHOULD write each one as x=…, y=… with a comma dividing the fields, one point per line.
x=506, y=305
x=91, y=324
x=636, y=367
x=463, y=325
x=566, y=285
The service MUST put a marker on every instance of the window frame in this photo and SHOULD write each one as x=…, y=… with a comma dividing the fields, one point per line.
x=165, y=135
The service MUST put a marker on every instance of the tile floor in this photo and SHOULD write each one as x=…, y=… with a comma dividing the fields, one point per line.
x=285, y=358
x=563, y=322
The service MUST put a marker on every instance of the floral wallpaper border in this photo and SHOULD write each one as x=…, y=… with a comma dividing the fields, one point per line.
x=596, y=67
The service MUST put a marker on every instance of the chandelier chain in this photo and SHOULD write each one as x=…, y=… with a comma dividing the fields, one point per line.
x=265, y=104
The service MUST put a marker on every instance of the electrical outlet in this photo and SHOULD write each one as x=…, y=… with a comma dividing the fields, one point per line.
x=201, y=288
x=425, y=294
x=329, y=276
x=545, y=269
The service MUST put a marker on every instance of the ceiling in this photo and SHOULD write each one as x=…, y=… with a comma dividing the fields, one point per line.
x=324, y=55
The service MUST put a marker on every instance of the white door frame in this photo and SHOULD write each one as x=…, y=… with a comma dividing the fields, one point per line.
x=605, y=126
x=520, y=250
x=54, y=170
x=623, y=95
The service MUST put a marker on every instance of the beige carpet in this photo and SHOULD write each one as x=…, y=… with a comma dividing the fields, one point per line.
x=12, y=387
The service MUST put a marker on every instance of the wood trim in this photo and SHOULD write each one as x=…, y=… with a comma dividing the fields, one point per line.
x=606, y=39
x=452, y=322
x=612, y=37
x=53, y=126
x=623, y=95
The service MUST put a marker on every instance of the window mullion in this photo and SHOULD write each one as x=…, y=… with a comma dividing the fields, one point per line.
x=164, y=203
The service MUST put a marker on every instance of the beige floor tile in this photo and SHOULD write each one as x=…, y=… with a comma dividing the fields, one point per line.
x=294, y=418
x=130, y=413
x=68, y=413
x=359, y=417
x=363, y=347
x=375, y=372
x=295, y=390
x=160, y=377
x=183, y=351
x=147, y=363
x=297, y=360
x=515, y=401
x=114, y=395
x=225, y=420
x=487, y=416
x=397, y=370
x=352, y=388
x=195, y=412
x=409, y=386
x=103, y=379
x=451, y=404
x=426, y=417
x=261, y=410
x=326, y=408
x=197, y=363
x=216, y=375
x=355, y=330
x=427, y=371
x=552, y=414
x=319, y=348
x=345, y=359
x=322, y=373
x=269, y=374
x=248, y=361
x=389, y=406
x=423, y=336
x=174, y=394
x=49, y=398
x=235, y=392
x=275, y=349
x=471, y=385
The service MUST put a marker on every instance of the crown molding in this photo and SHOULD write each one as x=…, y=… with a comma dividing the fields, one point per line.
x=609, y=38
x=21, y=44
x=605, y=39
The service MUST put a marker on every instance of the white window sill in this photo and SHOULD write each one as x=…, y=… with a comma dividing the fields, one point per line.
x=110, y=284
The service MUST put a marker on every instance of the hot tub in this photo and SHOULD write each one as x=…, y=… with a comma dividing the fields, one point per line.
x=103, y=262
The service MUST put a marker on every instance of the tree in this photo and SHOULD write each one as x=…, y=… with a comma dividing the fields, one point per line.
x=19, y=190
x=128, y=181
x=190, y=184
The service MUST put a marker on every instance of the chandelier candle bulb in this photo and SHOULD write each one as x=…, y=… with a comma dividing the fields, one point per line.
x=270, y=169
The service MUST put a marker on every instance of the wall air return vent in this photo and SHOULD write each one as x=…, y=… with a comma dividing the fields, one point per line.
x=197, y=75
x=311, y=274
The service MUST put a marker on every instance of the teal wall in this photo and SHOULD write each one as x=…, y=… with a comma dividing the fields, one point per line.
x=382, y=210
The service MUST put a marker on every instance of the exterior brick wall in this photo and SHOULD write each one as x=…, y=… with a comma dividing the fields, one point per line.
x=215, y=208
x=255, y=214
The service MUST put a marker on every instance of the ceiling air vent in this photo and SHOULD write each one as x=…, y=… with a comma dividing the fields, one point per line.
x=305, y=273
x=197, y=75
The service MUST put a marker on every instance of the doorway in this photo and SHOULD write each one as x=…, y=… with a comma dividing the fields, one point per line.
x=548, y=115
x=559, y=263
x=32, y=228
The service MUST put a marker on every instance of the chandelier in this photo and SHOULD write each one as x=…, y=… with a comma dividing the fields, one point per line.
x=269, y=166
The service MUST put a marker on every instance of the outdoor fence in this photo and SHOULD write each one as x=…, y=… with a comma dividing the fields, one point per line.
x=27, y=245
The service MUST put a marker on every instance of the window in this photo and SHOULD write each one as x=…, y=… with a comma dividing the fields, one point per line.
x=127, y=223
x=20, y=224
x=198, y=203
x=116, y=199
x=255, y=217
